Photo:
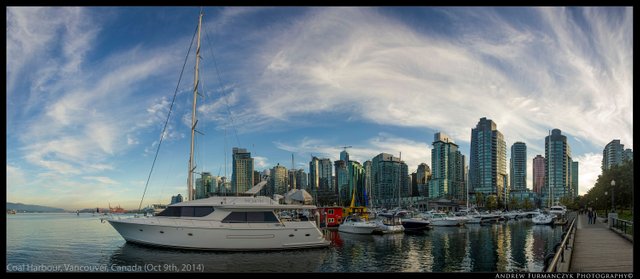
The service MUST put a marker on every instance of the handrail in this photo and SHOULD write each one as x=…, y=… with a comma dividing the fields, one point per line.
x=559, y=252
x=623, y=226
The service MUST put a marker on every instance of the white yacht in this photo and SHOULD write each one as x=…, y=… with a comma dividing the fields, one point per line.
x=558, y=210
x=389, y=225
x=223, y=223
x=357, y=225
x=543, y=219
x=440, y=219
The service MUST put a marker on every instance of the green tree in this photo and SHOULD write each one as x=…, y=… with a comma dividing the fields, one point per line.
x=492, y=202
x=514, y=204
x=526, y=204
x=622, y=191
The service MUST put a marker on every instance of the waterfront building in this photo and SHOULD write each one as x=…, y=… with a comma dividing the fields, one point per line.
x=518, y=166
x=321, y=180
x=301, y=180
x=539, y=167
x=176, y=199
x=279, y=180
x=615, y=154
x=558, y=168
x=574, y=178
x=448, y=166
x=389, y=177
x=423, y=175
x=242, y=175
x=204, y=185
x=342, y=182
x=367, y=179
x=487, y=163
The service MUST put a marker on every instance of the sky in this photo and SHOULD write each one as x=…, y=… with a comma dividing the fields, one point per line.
x=89, y=90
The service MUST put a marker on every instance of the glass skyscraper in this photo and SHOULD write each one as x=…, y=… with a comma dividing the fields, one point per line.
x=447, y=169
x=557, y=171
x=614, y=154
x=242, y=176
x=487, y=162
x=518, y=166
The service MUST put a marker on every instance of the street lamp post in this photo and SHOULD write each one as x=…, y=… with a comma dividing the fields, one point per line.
x=613, y=205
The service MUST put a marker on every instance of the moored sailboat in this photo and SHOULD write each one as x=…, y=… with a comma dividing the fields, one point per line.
x=221, y=223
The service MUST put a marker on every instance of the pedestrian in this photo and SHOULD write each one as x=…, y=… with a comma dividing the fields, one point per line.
x=589, y=215
x=595, y=215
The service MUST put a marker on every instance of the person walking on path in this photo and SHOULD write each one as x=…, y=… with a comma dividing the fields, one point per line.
x=589, y=215
x=595, y=215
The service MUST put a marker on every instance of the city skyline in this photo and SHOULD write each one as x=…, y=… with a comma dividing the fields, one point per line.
x=89, y=88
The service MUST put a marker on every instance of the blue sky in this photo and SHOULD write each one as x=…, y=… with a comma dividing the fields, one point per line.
x=89, y=88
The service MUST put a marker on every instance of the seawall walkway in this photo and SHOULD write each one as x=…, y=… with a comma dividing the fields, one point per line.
x=598, y=249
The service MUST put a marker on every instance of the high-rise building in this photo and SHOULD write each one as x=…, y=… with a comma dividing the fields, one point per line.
x=518, y=166
x=321, y=180
x=557, y=171
x=279, y=180
x=488, y=160
x=574, y=178
x=423, y=175
x=342, y=182
x=242, y=176
x=367, y=179
x=204, y=185
x=389, y=176
x=176, y=199
x=615, y=154
x=301, y=180
x=539, y=167
x=447, y=169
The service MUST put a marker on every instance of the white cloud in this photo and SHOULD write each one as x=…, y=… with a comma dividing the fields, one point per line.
x=589, y=168
x=260, y=163
x=101, y=179
x=15, y=177
x=360, y=62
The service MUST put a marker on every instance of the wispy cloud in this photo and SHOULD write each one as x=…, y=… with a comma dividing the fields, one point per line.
x=590, y=167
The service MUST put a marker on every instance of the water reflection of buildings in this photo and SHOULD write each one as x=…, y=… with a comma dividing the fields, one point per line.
x=448, y=247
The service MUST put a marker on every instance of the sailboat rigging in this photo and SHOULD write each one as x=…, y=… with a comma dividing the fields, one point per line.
x=220, y=223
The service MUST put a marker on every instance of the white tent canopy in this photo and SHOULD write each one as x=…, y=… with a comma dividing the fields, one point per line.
x=298, y=196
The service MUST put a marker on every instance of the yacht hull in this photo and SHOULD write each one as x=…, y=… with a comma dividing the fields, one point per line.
x=212, y=235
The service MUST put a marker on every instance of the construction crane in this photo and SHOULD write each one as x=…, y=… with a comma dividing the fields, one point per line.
x=345, y=147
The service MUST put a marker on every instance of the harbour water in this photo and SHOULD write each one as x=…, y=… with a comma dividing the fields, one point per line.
x=70, y=243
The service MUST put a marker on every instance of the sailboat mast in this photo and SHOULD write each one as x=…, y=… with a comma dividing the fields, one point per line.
x=399, y=179
x=193, y=113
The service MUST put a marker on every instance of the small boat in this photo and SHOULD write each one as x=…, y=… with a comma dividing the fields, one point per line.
x=357, y=225
x=11, y=211
x=442, y=220
x=543, y=219
x=415, y=223
x=558, y=210
x=389, y=225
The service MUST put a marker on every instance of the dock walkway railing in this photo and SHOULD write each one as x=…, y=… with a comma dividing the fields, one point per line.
x=555, y=262
x=622, y=227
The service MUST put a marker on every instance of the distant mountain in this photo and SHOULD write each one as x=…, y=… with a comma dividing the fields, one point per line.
x=20, y=207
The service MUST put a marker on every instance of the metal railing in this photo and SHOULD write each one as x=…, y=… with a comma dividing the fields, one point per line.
x=624, y=226
x=551, y=263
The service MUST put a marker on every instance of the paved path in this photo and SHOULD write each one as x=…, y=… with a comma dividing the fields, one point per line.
x=598, y=249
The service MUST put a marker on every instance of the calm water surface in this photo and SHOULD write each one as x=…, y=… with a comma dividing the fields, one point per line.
x=66, y=242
